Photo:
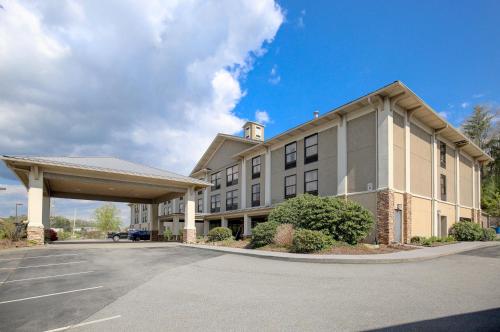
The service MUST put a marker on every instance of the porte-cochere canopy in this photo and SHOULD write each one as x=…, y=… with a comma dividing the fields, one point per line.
x=99, y=178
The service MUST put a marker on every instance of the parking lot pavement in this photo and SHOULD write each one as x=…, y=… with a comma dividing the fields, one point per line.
x=46, y=289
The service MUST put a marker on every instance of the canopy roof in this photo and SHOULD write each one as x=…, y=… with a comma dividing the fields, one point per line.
x=103, y=178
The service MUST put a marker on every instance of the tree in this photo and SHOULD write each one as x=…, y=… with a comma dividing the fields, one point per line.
x=107, y=218
x=60, y=222
x=477, y=127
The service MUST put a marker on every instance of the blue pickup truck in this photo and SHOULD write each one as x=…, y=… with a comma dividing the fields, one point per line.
x=137, y=235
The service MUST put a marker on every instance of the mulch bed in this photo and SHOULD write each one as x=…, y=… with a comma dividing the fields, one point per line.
x=6, y=244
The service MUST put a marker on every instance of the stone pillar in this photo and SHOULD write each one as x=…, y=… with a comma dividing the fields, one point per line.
x=189, y=233
x=206, y=227
x=153, y=217
x=407, y=217
x=385, y=216
x=247, y=225
x=36, y=206
x=223, y=222
x=46, y=212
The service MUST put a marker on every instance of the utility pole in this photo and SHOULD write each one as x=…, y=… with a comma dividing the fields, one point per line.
x=74, y=220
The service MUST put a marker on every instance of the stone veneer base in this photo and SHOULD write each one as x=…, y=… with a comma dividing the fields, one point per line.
x=385, y=216
x=189, y=235
x=36, y=234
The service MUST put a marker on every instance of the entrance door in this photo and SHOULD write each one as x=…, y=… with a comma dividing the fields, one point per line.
x=443, y=227
x=398, y=226
x=236, y=227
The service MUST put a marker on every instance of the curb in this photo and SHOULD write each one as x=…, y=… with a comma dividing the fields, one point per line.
x=344, y=259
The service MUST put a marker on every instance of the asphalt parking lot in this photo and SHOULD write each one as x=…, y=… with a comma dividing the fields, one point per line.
x=132, y=287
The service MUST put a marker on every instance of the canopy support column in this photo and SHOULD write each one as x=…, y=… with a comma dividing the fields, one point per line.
x=189, y=217
x=153, y=210
x=37, y=204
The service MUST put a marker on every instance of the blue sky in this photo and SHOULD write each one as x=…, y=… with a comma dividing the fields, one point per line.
x=330, y=52
x=156, y=83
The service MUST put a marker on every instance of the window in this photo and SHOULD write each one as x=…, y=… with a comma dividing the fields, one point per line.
x=442, y=154
x=290, y=186
x=215, y=203
x=257, y=132
x=181, y=207
x=256, y=194
x=247, y=132
x=200, y=205
x=200, y=192
x=232, y=200
x=291, y=155
x=443, y=187
x=215, y=179
x=232, y=175
x=311, y=149
x=256, y=167
x=311, y=182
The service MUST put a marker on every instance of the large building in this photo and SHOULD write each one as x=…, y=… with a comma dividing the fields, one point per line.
x=387, y=150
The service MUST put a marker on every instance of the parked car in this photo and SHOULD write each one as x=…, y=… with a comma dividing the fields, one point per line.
x=137, y=235
x=50, y=235
x=116, y=236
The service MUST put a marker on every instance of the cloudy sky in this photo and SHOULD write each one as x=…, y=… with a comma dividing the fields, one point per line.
x=154, y=81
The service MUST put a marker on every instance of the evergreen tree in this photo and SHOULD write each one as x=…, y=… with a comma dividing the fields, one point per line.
x=477, y=127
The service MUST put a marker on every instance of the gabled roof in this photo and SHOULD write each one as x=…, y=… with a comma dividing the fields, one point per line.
x=106, y=164
x=215, y=145
x=407, y=99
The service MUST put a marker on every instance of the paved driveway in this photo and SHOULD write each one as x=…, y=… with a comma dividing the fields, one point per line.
x=132, y=288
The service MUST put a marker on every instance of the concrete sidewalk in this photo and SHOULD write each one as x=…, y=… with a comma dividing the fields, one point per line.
x=416, y=255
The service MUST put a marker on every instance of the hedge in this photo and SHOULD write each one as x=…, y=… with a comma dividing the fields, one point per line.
x=219, y=234
x=263, y=234
x=305, y=240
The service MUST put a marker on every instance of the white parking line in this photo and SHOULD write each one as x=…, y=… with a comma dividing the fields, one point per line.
x=30, y=257
x=28, y=267
x=46, y=277
x=53, y=294
x=83, y=324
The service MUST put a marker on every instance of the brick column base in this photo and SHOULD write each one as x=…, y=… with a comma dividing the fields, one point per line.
x=385, y=216
x=189, y=235
x=154, y=235
x=407, y=217
x=36, y=234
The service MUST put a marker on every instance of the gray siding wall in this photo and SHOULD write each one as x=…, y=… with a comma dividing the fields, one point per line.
x=326, y=166
x=421, y=161
x=361, y=152
x=399, y=141
x=250, y=182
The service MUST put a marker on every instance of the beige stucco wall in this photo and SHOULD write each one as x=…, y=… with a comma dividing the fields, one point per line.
x=399, y=139
x=421, y=215
x=326, y=166
x=447, y=210
x=465, y=181
x=361, y=152
x=449, y=172
x=465, y=213
x=368, y=201
x=421, y=161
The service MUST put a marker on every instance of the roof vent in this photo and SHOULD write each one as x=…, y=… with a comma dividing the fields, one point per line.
x=316, y=114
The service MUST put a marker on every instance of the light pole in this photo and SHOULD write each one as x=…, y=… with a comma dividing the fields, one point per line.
x=17, y=204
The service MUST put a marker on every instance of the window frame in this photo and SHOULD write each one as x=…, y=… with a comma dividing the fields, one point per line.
x=314, y=157
x=199, y=207
x=442, y=154
x=255, y=194
x=288, y=186
x=443, y=185
x=233, y=181
x=292, y=163
x=215, y=180
x=214, y=207
x=313, y=192
x=256, y=175
x=234, y=200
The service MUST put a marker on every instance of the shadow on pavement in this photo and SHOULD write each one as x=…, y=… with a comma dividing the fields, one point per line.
x=487, y=320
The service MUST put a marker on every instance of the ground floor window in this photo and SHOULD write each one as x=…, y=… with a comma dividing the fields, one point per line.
x=256, y=194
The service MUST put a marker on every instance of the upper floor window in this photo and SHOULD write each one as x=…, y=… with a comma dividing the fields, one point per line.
x=247, y=132
x=200, y=205
x=256, y=194
x=311, y=148
x=290, y=186
x=232, y=175
x=311, y=182
x=442, y=154
x=256, y=167
x=291, y=155
x=258, y=132
x=181, y=207
x=215, y=203
x=232, y=200
x=144, y=207
x=443, y=187
x=215, y=179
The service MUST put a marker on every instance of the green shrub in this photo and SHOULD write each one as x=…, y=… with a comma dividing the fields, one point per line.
x=489, y=234
x=305, y=240
x=263, y=234
x=219, y=234
x=466, y=231
x=168, y=235
x=7, y=230
x=417, y=239
x=449, y=238
x=342, y=220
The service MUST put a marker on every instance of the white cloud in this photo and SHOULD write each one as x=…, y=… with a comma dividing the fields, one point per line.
x=274, y=77
x=148, y=81
x=262, y=117
x=300, y=20
x=464, y=104
x=478, y=95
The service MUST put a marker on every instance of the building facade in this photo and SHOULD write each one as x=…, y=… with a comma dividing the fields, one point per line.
x=388, y=151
